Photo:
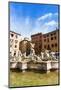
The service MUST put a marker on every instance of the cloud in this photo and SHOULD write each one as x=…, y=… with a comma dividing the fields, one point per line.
x=51, y=23
x=45, y=16
x=46, y=23
x=48, y=15
x=21, y=25
x=56, y=14
x=27, y=26
x=45, y=27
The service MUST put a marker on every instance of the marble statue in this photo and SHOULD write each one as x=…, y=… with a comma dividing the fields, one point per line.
x=42, y=55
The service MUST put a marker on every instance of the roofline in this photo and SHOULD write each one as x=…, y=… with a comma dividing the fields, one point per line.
x=45, y=33
x=15, y=33
x=51, y=32
x=36, y=34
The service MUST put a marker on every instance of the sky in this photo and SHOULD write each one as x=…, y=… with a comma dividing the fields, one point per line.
x=28, y=19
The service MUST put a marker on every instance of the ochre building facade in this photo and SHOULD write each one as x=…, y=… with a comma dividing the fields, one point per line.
x=48, y=41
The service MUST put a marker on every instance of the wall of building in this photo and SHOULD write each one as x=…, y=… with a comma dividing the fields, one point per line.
x=51, y=41
x=37, y=39
x=48, y=41
x=42, y=41
x=15, y=38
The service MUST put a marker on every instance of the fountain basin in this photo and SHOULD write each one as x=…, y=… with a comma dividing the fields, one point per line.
x=54, y=64
x=13, y=65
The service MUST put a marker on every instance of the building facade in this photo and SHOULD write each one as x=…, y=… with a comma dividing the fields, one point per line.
x=15, y=38
x=49, y=41
x=37, y=39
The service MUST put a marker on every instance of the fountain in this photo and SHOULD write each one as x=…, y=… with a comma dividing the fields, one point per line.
x=46, y=61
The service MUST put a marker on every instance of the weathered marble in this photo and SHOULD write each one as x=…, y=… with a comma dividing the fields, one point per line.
x=13, y=65
x=46, y=61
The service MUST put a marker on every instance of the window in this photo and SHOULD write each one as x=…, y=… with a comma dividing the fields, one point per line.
x=14, y=53
x=11, y=40
x=51, y=38
x=44, y=40
x=16, y=36
x=10, y=53
x=54, y=33
x=45, y=36
x=48, y=47
x=12, y=35
x=52, y=45
x=55, y=37
x=39, y=46
x=16, y=41
x=45, y=46
x=10, y=45
x=15, y=46
x=51, y=34
x=55, y=44
x=47, y=39
x=48, y=35
x=40, y=36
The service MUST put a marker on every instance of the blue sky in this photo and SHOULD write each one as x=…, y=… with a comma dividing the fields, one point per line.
x=28, y=19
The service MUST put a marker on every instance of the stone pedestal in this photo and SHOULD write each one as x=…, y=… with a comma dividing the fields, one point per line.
x=57, y=70
x=46, y=66
x=23, y=71
x=13, y=65
x=48, y=71
x=22, y=66
x=54, y=65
